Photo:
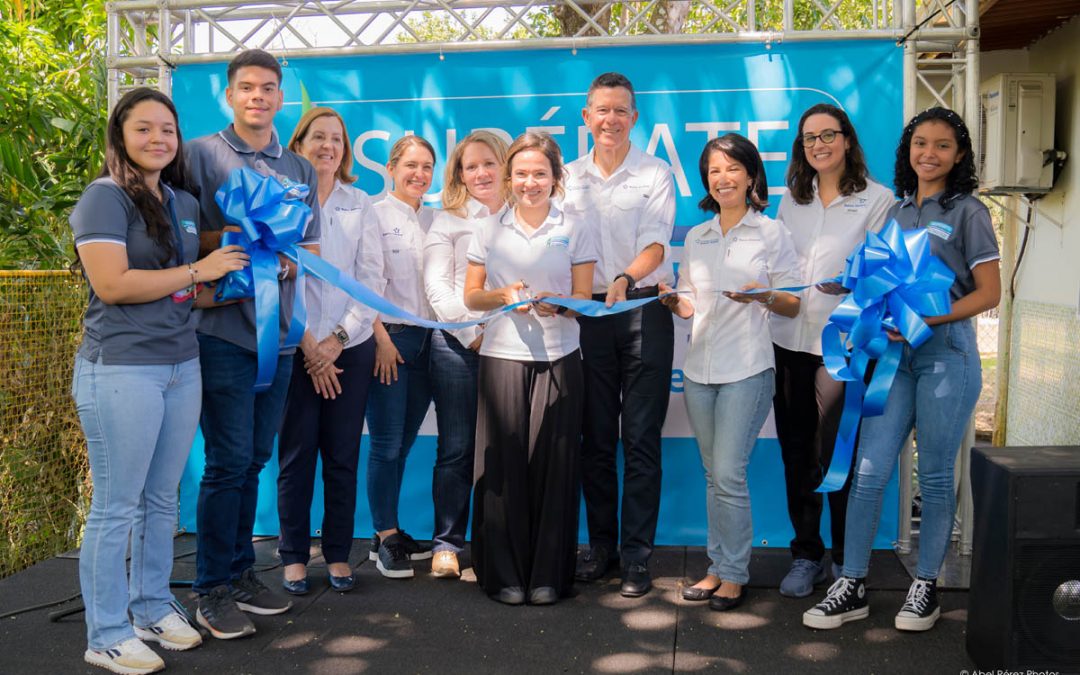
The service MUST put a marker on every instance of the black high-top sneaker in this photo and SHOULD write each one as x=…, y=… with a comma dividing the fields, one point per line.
x=845, y=601
x=921, y=609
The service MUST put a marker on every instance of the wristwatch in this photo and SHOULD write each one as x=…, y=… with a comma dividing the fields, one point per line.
x=630, y=282
x=341, y=336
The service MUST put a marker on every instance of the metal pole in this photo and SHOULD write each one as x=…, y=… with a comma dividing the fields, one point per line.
x=112, y=51
x=164, y=50
x=903, y=535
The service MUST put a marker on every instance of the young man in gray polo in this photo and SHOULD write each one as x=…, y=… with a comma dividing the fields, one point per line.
x=238, y=424
x=630, y=198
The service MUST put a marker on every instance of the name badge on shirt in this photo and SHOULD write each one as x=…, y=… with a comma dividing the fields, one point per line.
x=189, y=226
x=939, y=229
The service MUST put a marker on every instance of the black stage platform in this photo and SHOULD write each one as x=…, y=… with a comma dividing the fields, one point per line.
x=431, y=625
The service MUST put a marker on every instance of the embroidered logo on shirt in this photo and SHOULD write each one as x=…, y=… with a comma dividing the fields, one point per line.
x=715, y=240
x=940, y=229
x=189, y=226
x=855, y=204
x=558, y=240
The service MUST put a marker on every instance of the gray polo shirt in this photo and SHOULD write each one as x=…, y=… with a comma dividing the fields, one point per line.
x=961, y=234
x=160, y=332
x=210, y=161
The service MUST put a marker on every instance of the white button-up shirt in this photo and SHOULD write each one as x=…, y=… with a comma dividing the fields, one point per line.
x=631, y=209
x=403, y=229
x=349, y=241
x=543, y=260
x=445, y=247
x=729, y=341
x=824, y=235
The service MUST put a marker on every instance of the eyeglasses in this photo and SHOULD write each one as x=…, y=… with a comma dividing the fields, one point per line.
x=827, y=136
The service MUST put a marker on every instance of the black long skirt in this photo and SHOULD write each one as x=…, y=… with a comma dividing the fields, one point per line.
x=527, y=473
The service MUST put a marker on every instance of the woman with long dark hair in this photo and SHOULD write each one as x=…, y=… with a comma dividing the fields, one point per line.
x=137, y=383
x=936, y=385
x=332, y=371
x=728, y=372
x=830, y=205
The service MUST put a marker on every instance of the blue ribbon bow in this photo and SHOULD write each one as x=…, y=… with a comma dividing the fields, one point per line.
x=895, y=281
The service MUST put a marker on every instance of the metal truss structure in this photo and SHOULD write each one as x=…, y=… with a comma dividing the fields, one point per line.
x=147, y=39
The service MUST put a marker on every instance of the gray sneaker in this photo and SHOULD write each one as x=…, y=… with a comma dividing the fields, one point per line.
x=219, y=614
x=252, y=595
x=801, y=578
x=393, y=559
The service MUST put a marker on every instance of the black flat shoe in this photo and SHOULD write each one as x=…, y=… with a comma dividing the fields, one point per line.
x=636, y=581
x=298, y=587
x=718, y=603
x=342, y=584
x=544, y=595
x=695, y=594
x=512, y=595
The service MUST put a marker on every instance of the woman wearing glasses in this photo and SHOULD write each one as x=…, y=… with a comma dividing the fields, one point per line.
x=831, y=203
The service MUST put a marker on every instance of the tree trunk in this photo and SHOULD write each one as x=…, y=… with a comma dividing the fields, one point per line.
x=571, y=21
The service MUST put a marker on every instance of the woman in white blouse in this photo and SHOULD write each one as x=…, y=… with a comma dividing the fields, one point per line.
x=830, y=205
x=471, y=192
x=332, y=372
x=401, y=395
x=729, y=365
x=528, y=427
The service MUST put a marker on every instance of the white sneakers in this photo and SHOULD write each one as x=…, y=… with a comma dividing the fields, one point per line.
x=173, y=632
x=130, y=657
x=133, y=657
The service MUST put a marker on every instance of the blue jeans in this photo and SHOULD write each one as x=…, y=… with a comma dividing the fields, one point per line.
x=453, y=385
x=394, y=414
x=935, y=390
x=238, y=427
x=139, y=423
x=726, y=419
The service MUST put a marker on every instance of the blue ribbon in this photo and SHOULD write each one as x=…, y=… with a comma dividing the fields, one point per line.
x=895, y=281
x=272, y=218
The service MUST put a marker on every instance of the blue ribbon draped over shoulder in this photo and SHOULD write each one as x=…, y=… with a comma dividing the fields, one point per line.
x=895, y=281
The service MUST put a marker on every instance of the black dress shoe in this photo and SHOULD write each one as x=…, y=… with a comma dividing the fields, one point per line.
x=596, y=562
x=636, y=581
x=695, y=594
x=511, y=595
x=719, y=603
x=543, y=595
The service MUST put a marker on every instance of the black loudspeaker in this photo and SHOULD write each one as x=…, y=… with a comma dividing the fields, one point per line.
x=1024, y=603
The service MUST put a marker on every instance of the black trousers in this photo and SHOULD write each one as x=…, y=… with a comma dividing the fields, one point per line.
x=528, y=430
x=807, y=406
x=627, y=362
x=312, y=427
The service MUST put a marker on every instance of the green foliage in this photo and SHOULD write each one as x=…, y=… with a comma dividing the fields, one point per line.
x=52, y=108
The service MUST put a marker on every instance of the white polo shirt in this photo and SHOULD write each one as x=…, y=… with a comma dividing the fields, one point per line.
x=445, y=247
x=403, y=230
x=349, y=240
x=633, y=208
x=729, y=341
x=824, y=236
x=543, y=260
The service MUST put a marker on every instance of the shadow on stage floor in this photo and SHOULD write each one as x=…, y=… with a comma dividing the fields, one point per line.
x=433, y=625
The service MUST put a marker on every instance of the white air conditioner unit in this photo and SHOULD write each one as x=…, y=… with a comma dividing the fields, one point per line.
x=1017, y=112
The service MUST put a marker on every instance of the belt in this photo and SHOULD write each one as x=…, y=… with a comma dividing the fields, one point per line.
x=640, y=292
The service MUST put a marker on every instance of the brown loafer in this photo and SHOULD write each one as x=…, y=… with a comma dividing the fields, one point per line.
x=445, y=565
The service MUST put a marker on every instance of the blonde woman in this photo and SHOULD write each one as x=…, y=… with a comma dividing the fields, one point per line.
x=332, y=373
x=471, y=192
x=401, y=394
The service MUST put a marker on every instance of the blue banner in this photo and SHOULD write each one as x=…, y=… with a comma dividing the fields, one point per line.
x=685, y=95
